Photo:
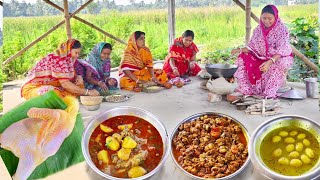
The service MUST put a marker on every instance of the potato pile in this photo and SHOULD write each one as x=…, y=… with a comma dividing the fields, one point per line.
x=123, y=146
x=297, y=147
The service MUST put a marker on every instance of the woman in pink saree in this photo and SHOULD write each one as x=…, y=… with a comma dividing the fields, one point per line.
x=262, y=65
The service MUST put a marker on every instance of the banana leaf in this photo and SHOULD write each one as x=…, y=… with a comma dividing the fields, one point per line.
x=70, y=151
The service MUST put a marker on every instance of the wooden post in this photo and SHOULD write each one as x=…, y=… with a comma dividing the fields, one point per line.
x=171, y=21
x=100, y=30
x=248, y=20
x=45, y=34
x=86, y=22
x=67, y=18
x=243, y=7
x=82, y=7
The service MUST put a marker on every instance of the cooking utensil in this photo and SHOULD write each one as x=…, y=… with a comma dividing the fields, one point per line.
x=260, y=133
x=193, y=118
x=224, y=70
x=119, y=111
x=292, y=94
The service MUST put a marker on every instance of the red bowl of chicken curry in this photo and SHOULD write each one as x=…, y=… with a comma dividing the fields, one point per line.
x=125, y=142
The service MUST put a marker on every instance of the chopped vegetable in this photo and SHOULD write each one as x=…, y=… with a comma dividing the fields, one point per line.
x=122, y=127
x=276, y=139
x=117, y=136
x=215, y=132
x=105, y=128
x=277, y=152
x=309, y=152
x=283, y=161
x=136, y=171
x=98, y=138
x=112, y=143
x=128, y=142
x=103, y=156
x=295, y=162
x=283, y=133
x=124, y=153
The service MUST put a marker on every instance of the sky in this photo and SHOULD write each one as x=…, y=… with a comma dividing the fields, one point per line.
x=118, y=2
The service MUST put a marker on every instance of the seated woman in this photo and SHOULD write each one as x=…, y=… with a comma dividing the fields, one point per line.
x=96, y=69
x=56, y=72
x=262, y=65
x=180, y=62
x=136, y=66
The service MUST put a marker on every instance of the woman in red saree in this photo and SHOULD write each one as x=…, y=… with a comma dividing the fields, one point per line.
x=56, y=72
x=262, y=65
x=180, y=62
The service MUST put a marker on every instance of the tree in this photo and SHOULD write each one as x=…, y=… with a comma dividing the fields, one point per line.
x=133, y=2
x=92, y=8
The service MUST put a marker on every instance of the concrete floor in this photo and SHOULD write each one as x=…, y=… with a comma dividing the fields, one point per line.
x=172, y=106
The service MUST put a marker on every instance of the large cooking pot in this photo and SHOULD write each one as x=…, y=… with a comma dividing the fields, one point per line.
x=224, y=70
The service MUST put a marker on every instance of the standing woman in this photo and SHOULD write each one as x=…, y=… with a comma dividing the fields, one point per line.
x=262, y=65
x=180, y=62
x=96, y=68
x=56, y=72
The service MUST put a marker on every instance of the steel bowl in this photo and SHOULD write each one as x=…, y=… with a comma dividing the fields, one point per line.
x=194, y=117
x=92, y=108
x=91, y=100
x=224, y=70
x=260, y=133
x=118, y=111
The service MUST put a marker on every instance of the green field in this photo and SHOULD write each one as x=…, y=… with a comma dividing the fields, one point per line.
x=215, y=28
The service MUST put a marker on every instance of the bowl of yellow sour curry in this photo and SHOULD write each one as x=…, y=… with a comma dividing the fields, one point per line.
x=287, y=147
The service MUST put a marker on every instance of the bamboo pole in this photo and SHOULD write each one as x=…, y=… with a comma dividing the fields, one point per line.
x=67, y=18
x=305, y=59
x=171, y=21
x=248, y=20
x=243, y=7
x=100, y=30
x=82, y=7
x=294, y=50
x=87, y=23
x=32, y=43
x=44, y=35
x=62, y=10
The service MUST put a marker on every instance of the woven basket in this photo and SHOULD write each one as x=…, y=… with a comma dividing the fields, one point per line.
x=91, y=100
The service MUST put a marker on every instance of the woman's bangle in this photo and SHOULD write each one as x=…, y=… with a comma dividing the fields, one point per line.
x=86, y=92
x=99, y=82
x=137, y=80
x=240, y=50
x=174, y=68
x=273, y=60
